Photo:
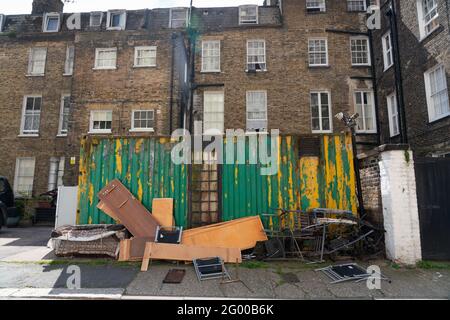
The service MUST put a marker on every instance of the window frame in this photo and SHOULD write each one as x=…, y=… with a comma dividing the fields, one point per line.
x=134, y=129
x=212, y=131
x=431, y=109
x=30, y=72
x=369, y=62
x=46, y=18
x=16, y=176
x=265, y=56
x=327, y=64
x=171, y=17
x=101, y=19
x=387, y=54
x=204, y=42
x=2, y=22
x=150, y=48
x=319, y=92
x=57, y=175
x=91, y=122
x=248, y=22
x=61, y=133
x=424, y=33
x=360, y=91
x=97, y=51
x=364, y=2
x=29, y=133
x=265, y=109
x=389, y=99
x=70, y=60
x=123, y=20
x=316, y=9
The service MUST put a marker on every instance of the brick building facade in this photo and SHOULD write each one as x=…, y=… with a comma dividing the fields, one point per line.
x=412, y=64
x=290, y=66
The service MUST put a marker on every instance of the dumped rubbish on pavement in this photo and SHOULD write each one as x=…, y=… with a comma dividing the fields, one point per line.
x=348, y=272
x=210, y=268
x=97, y=240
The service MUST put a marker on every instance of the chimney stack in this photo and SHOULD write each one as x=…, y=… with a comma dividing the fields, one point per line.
x=42, y=6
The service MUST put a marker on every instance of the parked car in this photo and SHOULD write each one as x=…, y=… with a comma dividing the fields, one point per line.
x=7, y=208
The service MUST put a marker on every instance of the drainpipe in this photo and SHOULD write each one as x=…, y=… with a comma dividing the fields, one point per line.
x=375, y=87
x=171, y=84
x=398, y=71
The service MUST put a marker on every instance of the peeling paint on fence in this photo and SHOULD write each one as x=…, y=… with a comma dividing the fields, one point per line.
x=144, y=166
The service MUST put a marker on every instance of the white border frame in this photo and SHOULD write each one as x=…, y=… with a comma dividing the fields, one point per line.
x=203, y=55
x=96, y=67
x=152, y=129
x=91, y=123
x=320, y=112
x=123, y=19
x=22, y=120
x=136, y=49
x=327, y=52
x=373, y=111
x=369, y=60
x=431, y=115
x=30, y=58
x=45, y=18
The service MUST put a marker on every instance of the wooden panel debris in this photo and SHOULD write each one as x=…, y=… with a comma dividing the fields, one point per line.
x=162, y=210
x=179, y=252
x=241, y=233
x=125, y=207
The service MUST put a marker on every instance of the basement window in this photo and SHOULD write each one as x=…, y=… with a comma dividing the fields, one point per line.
x=52, y=22
x=256, y=56
x=178, y=18
x=143, y=120
x=257, y=111
x=2, y=22
x=96, y=19
x=24, y=177
x=105, y=59
x=248, y=14
x=313, y=6
x=101, y=121
x=144, y=57
x=116, y=19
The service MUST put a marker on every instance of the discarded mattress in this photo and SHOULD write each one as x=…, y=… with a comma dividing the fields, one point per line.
x=96, y=240
x=118, y=202
x=241, y=233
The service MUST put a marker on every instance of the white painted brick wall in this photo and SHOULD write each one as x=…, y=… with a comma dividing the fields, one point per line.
x=400, y=211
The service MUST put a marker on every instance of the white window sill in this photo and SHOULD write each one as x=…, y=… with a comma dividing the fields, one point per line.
x=61, y=135
x=394, y=135
x=67, y=74
x=30, y=135
x=142, y=130
x=319, y=65
x=35, y=75
x=445, y=115
x=109, y=68
x=366, y=131
x=254, y=133
x=150, y=66
x=115, y=28
x=361, y=65
x=50, y=31
x=321, y=131
x=211, y=71
x=100, y=132
x=255, y=71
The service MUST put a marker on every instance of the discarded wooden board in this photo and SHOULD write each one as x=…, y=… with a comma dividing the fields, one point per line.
x=240, y=233
x=162, y=210
x=132, y=249
x=102, y=206
x=124, y=206
x=179, y=252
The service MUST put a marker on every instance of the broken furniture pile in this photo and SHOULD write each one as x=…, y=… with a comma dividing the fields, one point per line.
x=310, y=236
x=155, y=236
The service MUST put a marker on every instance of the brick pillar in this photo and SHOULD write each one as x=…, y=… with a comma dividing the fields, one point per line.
x=400, y=209
x=42, y=6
